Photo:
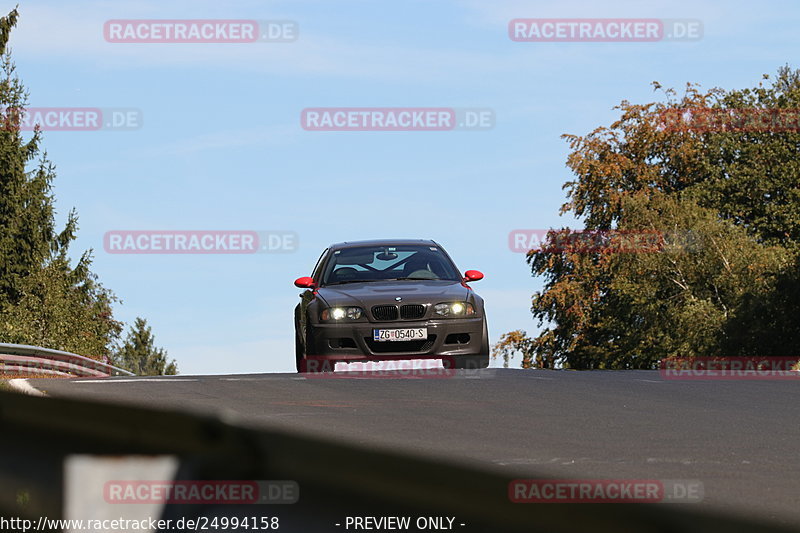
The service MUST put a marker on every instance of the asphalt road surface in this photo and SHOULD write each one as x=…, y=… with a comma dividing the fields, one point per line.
x=741, y=439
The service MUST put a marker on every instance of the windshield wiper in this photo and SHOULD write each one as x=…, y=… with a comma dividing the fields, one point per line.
x=417, y=279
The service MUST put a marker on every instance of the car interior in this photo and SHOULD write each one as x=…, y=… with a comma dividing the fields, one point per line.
x=365, y=267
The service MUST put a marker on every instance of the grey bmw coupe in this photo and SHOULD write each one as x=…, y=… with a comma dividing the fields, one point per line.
x=389, y=299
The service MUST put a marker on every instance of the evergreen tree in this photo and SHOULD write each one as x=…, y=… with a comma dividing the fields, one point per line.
x=45, y=299
x=139, y=354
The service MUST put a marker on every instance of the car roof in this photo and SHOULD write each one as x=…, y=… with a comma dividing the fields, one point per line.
x=382, y=242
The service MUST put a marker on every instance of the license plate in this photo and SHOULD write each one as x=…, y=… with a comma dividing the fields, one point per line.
x=407, y=334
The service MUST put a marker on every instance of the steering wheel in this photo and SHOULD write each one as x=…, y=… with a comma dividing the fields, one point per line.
x=423, y=274
x=345, y=273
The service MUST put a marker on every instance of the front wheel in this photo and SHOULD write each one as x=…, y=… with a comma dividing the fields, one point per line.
x=298, y=353
x=314, y=366
x=305, y=365
x=470, y=362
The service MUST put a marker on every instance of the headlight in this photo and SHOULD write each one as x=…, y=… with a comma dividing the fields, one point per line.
x=341, y=313
x=454, y=310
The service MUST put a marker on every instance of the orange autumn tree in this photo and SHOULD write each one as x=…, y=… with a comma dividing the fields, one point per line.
x=724, y=199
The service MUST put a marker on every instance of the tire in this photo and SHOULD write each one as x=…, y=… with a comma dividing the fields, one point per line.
x=471, y=362
x=303, y=365
x=315, y=366
x=485, y=342
x=298, y=353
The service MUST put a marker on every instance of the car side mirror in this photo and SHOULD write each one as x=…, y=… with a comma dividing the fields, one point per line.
x=306, y=282
x=473, y=275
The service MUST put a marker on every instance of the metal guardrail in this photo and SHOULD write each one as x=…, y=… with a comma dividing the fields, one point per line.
x=23, y=359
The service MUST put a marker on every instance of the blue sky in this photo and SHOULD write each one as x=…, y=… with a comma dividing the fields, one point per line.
x=221, y=146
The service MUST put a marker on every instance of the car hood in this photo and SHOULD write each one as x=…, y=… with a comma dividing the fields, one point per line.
x=386, y=292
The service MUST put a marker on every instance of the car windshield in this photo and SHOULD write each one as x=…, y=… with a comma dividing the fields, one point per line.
x=381, y=263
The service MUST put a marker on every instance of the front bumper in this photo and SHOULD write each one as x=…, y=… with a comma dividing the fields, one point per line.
x=349, y=342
